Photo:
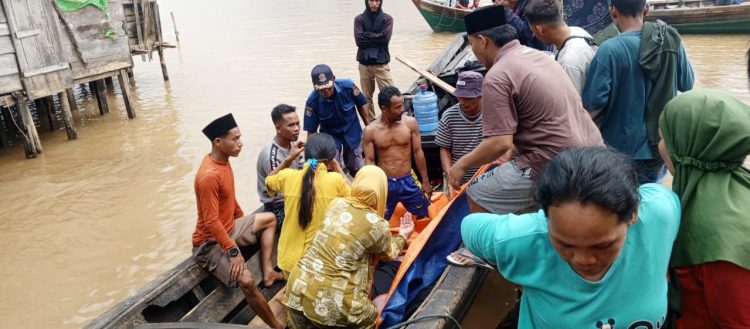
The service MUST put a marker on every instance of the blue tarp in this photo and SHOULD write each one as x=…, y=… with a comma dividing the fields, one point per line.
x=430, y=263
x=592, y=16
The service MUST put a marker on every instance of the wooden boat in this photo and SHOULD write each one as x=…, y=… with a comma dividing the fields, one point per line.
x=702, y=16
x=440, y=17
x=189, y=297
x=186, y=296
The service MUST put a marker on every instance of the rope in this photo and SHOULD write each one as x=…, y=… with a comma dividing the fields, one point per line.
x=442, y=15
x=28, y=140
x=425, y=318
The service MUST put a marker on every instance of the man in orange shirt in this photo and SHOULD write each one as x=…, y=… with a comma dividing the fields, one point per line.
x=221, y=226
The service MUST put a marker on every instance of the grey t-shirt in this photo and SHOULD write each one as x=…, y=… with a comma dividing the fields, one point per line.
x=270, y=157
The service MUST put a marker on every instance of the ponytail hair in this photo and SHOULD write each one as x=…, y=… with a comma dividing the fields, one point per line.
x=319, y=147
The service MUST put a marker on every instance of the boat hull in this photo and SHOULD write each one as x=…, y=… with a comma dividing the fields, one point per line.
x=706, y=20
x=442, y=19
x=726, y=27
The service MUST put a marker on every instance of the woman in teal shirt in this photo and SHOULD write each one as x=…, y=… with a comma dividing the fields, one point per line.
x=595, y=255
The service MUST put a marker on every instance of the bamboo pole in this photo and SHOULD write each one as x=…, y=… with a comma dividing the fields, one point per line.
x=138, y=27
x=160, y=49
x=429, y=76
x=174, y=26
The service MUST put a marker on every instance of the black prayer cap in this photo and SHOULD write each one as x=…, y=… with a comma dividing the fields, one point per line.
x=220, y=126
x=484, y=18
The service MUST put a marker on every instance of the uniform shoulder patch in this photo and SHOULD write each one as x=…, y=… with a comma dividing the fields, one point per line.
x=308, y=111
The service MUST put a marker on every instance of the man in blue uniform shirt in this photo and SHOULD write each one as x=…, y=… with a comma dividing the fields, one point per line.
x=331, y=106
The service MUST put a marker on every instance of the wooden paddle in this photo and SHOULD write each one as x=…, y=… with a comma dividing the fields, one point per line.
x=429, y=76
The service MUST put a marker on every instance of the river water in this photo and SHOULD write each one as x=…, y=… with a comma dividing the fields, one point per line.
x=92, y=220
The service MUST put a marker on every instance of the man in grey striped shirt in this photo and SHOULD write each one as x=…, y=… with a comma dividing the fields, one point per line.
x=460, y=129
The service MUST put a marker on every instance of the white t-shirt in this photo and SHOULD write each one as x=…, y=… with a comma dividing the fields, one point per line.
x=575, y=56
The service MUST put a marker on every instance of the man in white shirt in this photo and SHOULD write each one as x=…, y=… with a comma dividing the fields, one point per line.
x=575, y=47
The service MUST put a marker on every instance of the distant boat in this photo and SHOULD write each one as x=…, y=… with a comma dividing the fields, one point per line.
x=590, y=15
x=442, y=18
x=687, y=16
x=702, y=17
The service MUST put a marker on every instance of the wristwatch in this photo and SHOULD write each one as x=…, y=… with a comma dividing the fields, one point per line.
x=233, y=252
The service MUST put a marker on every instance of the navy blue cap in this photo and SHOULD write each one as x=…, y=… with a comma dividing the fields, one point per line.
x=322, y=76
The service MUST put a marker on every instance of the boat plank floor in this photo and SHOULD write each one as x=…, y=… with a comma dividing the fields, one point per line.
x=222, y=300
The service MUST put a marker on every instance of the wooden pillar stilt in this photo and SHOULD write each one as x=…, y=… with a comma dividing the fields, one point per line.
x=163, y=64
x=43, y=113
x=67, y=116
x=159, y=38
x=110, y=83
x=71, y=95
x=50, y=103
x=122, y=77
x=32, y=144
x=91, y=87
x=97, y=88
x=130, y=75
x=4, y=112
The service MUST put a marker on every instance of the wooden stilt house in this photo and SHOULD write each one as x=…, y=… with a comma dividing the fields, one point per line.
x=47, y=48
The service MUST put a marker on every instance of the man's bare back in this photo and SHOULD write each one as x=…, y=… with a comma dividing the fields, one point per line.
x=392, y=145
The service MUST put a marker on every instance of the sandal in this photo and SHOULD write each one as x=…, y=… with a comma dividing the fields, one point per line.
x=471, y=259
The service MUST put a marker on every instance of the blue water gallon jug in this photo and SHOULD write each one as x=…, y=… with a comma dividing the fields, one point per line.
x=426, y=110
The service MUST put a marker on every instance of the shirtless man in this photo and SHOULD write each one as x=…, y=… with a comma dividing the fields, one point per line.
x=395, y=139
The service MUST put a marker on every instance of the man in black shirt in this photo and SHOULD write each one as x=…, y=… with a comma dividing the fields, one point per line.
x=372, y=33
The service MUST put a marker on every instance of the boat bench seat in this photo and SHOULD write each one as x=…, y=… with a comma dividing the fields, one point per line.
x=222, y=300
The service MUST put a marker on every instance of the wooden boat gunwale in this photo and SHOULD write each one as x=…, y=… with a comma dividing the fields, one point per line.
x=451, y=293
x=176, y=284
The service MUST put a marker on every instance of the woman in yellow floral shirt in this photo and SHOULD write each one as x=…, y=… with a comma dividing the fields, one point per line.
x=330, y=286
